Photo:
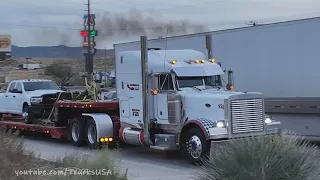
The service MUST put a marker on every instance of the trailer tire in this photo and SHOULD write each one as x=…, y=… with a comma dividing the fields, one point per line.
x=195, y=145
x=91, y=134
x=26, y=113
x=77, y=131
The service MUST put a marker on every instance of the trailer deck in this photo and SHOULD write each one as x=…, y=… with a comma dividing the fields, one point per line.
x=15, y=122
x=111, y=105
x=55, y=132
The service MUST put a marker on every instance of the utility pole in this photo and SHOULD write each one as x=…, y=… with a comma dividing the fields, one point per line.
x=89, y=43
x=89, y=63
x=105, y=66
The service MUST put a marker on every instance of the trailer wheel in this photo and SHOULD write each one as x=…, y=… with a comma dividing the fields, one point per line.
x=25, y=114
x=196, y=146
x=91, y=134
x=77, y=131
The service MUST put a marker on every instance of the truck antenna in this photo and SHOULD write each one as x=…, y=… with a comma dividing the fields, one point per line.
x=165, y=49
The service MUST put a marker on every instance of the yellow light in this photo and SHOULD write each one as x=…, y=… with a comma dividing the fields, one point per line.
x=197, y=61
x=110, y=139
x=90, y=105
x=212, y=60
x=106, y=139
x=203, y=60
x=154, y=92
x=174, y=62
x=102, y=139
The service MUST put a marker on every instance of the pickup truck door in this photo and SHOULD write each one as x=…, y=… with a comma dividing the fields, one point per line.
x=17, y=98
x=9, y=103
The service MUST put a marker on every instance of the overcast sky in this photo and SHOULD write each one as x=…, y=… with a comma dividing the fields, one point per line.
x=54, y=22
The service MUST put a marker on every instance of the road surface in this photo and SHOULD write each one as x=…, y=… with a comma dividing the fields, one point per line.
x=142, y=163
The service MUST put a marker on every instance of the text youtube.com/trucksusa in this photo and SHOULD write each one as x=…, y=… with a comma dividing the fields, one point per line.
x=166, y=100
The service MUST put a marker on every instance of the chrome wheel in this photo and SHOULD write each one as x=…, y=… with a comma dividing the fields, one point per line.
x=25, y=114
x=92, y=134
x=194, y=147
x=75, y=132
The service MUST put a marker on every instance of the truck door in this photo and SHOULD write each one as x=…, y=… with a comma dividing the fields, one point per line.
x=165, y=84
x=17, y=98
x=9, y=99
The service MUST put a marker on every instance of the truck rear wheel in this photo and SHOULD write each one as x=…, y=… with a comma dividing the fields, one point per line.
x=91, y=134
x=196, y=146
x=77, y=131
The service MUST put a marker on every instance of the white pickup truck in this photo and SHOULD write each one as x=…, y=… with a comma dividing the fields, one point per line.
x=21, y=94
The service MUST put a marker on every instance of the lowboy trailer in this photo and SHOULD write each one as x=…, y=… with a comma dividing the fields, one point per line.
x=167, y=100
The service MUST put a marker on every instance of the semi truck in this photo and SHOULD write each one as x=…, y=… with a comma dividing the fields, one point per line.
x=167, y=100
x=278, y=59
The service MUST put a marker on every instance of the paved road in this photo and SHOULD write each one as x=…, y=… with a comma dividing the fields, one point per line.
x=142, y=163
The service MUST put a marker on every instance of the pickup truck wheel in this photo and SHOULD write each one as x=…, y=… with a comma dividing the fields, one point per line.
x=77, y=131
x=25, y=114
x=196, y=146
x=91, y=132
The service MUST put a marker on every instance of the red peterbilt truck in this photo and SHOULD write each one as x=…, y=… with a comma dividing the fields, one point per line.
x=167, y=100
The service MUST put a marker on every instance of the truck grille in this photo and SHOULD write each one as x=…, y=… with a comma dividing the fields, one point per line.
x=247, y=116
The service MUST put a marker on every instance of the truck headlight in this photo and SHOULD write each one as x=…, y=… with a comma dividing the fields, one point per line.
x=36, y=100
x=268, y=119
x=221, y=124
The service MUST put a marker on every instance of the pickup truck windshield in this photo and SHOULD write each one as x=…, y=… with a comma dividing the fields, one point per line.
x=199, y=81
x=40, y=85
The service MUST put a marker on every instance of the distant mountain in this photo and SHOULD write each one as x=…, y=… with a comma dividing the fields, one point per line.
x=60, y=51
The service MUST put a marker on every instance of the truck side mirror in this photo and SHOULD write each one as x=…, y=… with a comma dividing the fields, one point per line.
x=230, y=80
x=154, y=82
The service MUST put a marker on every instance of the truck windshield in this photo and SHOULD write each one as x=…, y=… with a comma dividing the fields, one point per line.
x=40, y=85
x=190, y=81
x=184, y=82
x=213, y=80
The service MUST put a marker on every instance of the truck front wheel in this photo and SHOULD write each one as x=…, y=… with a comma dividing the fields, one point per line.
x=196, y=146
x=77, y=131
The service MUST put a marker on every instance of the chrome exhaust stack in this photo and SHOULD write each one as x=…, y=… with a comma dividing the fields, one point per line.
x=144, y=74
x=208, y=46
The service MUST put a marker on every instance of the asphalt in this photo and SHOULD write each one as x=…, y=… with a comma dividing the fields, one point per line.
x=142, y=163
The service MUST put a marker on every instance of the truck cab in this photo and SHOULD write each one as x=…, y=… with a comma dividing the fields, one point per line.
x=176, y=100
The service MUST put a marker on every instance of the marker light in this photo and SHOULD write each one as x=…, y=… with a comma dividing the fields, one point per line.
x=154, y=92
x=174, y=62
x=197, y=61
x=203, y=60
x=212, y=60
x=230, y=87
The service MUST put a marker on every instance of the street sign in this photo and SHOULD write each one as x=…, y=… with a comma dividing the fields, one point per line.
x=92, y=43
x=89, y=21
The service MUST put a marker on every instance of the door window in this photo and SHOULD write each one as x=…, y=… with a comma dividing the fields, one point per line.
x=165, y=82
x=11, y=87
x=19, y=87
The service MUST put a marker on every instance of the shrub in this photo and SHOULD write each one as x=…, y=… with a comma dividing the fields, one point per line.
x=264, y=158
x=14, y=158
